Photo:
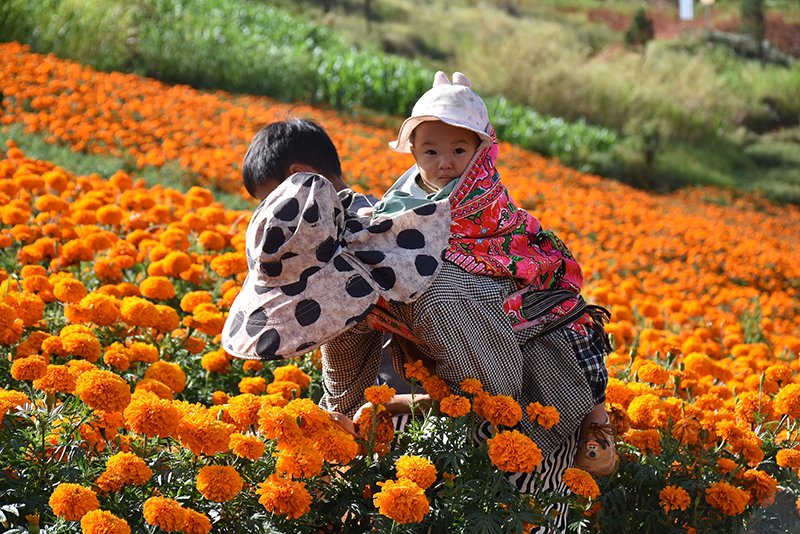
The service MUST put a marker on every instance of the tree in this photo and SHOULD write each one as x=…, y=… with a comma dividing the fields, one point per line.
x=753, y=23
x=640, y=30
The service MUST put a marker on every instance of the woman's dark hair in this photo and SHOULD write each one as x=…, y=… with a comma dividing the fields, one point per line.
x=281, y=144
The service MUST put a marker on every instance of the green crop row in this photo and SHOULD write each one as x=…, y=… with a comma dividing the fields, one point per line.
x=246, y=47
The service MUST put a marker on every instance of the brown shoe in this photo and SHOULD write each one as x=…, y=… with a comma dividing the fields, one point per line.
x=596, y=452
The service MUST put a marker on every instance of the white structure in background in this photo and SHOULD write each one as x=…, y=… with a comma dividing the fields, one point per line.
x=686, y=9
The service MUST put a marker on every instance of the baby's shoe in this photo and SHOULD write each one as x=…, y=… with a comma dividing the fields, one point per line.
x=596, y=452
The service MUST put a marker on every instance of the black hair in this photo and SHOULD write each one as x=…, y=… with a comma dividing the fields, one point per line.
x=281, y=144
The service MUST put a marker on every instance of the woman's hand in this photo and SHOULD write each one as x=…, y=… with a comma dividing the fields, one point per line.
x=345, y=423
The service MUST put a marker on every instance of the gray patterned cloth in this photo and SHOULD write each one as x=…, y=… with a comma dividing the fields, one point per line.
x=462, y=326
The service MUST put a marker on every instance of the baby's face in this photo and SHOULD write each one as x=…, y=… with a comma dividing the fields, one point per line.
x=442, y=151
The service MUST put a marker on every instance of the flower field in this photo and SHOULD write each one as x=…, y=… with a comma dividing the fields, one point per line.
x=121, y=413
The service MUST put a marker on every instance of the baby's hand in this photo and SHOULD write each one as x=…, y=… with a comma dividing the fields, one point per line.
x=365, y=212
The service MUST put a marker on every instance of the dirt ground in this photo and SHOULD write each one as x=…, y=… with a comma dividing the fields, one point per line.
x=784, y=35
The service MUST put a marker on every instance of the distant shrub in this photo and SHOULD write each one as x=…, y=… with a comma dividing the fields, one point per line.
x=640, y=30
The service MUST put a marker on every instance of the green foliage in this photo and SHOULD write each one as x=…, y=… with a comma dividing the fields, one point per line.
x=752, y=19
x=641, y=29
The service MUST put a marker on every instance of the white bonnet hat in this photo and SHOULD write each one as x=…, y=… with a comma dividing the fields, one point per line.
x=454, y=103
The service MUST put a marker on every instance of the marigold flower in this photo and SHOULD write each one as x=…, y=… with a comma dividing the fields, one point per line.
x=69, y=290
x=789, y=458
x=30, y=368
x=157, y=288
x=643, y=411
x=382, y=432
x=216, y=361
x=219, y=397
x=290, y=373
x=103, y=522
x=779, y=373
x=289, y=390
x=164, y=513
x=202, y=433
x=653, y=373
x=674, y=498
x=247, y=446
x=196, y=523
x=73, y=501
x=284, y=497
x=57, y=380
x=402, y=501
x=150, y=415
x=74, y=252
x=471, y=386
x=167, y=373
x=379, y=394
x=168, y=319
x=416, y=371
x=761, y=487
x=131, y=468
x=787, y=401
x=727, y=498
x=335, y=446
x=219, y=483
x=274, y=423
x=103, y=390
x=143, y=352
x=155, y=387
x=98, y=308
x=175, y=263
x=581, y=482
x=137, y=311
x=194, y=298
x=244, y=408
x=302, y=460
x=501, y=410
x=117, y=356
x=436, y=387
x=514, y=452
x=29, y=307
x=455, y=406
x=229, y=264
x=687, y=430
x=645, y=440
x=547, y=416
x=417, y=469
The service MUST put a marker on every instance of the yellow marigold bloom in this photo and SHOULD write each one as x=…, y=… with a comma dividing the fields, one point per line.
x=30, y=368
x=761, y=487
x=229, y=264
x=73, y=501
x=57, y=380
x=247, y=446
x=471, y=386
x=202, y=433
x=164, y=513
x=436, y=387
x=143, y=352
x=216, y=361
x=674, y=498
x=302, y=460
x=727, y=498
x=157, y=288
x=33, y=270
x=219, y=398
x=416, y=371
x=167, y=373
x=103, y=522
x=787, y=401
x=645, y=440
x=311, y=418
x=137, y=311
x=416, y=469
x=779, y=373
x=284, y=497
x=244, y=408
x=11, y=399
x=547, y=416
x=501, y=410
x=289, y=390
x=103, y=390
x=150, y=415
x=455, y=406
x=193, y=298
x=402, y=501
x=131, y=468
x=653, y=373
x=336, y=446
x=643, y=411
x=379, y=394
x=581, y=482
x=291, y=373
x=219, y=483
x=168, y=319
x=196, y=523
x=514, y=452
x=255, y=385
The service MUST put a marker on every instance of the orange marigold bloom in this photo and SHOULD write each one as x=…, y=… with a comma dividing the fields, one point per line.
x=471, y=386
x=57, y=380
x=219, y=483
x=787, y=401
x=168, y=319
x=299, y=461
x=69, y=290
x=284, y=497
x=514, y=452
x=311, y=418
x=336, y=446
x=159, y=389
x=101, y=309
x=402, y=501
x=382, y=432
x=82, y=345
x=157, y=288
x=219, y=397
x=103, y=390
x=789, y=458
x=167, y=373
x=30, y=368
x=501, y=410
x=196, y=523
x=645, y=440
x=206, y=321
x=150, y=415
x=254, y=384
x=653, y=373
x=416, y=371
x=192, y=299
x=547, y=416
x=143, y=352
x=436, y=387
x=211, y=240
x=761, y=487
x=289, y=390
x=175, y=263
x=727, y=498
x=379, y=394
x=455, y=406
x=137, y=311
x=202, y=433
x=643, y=411
x=244, y=408
x=291, y=373
x=229, y=264
x=75, y=251
x=73, y=501
x=103, y=522
x=216, y=361
x=581, y=482
x=674, y=498
x=416, y=469
x=29, y=307
x=247, y=446
x=117, y=356
x=779, y=373
x=164, y=513
x=129, y=467
x=111, y=215
x=687, y=430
